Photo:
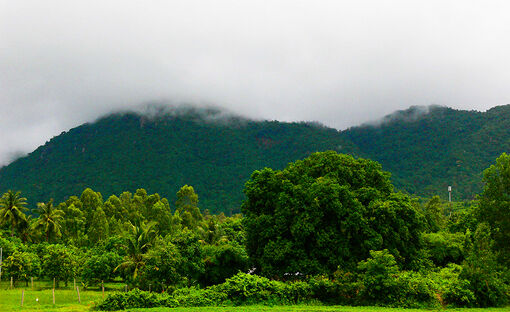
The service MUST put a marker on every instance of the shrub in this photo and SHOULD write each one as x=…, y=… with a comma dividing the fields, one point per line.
x=135, y=299
x=342, y=290
x=378, y=280
x=415, y=291
x=244, y=288
x=453, y=290
x=194, y=297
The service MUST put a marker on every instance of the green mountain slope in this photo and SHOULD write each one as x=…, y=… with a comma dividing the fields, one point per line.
x=424, y=150
x=123, y=152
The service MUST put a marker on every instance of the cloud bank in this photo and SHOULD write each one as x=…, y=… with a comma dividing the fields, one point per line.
x=341, y=63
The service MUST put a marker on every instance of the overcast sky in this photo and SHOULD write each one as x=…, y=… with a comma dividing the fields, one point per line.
x=342, y=63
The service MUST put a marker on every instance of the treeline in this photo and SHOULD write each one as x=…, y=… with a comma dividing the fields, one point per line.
x=329, y=228
x=136, y=237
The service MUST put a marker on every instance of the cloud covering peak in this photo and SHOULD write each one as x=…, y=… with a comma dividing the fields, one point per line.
x=342, y=63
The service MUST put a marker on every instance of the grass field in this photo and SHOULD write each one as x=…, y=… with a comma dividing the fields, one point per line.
x=40, y=297
x=66, y=300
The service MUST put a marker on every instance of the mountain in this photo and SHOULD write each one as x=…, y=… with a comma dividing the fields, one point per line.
x=161, y=152
x=428, y=150
x=425, y=148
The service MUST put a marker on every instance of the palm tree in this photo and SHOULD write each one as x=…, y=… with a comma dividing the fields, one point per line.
x=139, y=239
x=12, y=207
x=50, y=220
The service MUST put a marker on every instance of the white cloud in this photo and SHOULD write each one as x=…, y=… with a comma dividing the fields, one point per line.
x=339, y=62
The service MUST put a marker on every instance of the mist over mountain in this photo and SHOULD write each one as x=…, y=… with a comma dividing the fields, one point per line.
x=161, y=149
x=213, y=151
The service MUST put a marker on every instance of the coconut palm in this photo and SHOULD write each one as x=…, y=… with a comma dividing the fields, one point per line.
x=138, y=241
x=50, y=220
x=12, y=210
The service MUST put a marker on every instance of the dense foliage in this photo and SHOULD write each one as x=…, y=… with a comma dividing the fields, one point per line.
x=324, y=212
x=424, y=150
x=326, y=229
x=162, y=153
x=428, y=148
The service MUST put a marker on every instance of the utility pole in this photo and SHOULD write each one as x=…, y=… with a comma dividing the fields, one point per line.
x=450, y=198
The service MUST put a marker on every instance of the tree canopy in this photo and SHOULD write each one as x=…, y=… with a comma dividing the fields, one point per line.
x=494, y=205
x=326, y=211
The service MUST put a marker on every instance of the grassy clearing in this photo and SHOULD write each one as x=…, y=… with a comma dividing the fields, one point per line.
x=42, y=300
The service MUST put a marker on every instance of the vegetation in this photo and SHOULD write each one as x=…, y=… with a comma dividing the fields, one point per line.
x=424, y=151
x=328, y=229
x=326, y=211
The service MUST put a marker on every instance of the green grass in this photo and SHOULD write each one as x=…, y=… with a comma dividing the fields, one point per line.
x=67, y=301
x=42, y=300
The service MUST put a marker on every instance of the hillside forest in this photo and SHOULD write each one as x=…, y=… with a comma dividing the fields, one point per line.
x=328, y=228
x=426, y=149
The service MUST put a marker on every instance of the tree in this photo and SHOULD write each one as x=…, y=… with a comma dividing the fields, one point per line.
x=60, y=262
x=100, y=266
x=483, y=272
x=163, y=263
x=90, y=201
x=434, y=215
x=74, y=221
x=187, y=206
x=12, y=209
x=223, y=261
x=379, y=277
x=191, y=250
x=50, y=220
x=139, y=239
x=22, y=265
x=99, y=227
x=326, y=211
x=494, y=207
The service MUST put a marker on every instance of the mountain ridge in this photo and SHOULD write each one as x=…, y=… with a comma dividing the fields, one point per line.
x=217, y=152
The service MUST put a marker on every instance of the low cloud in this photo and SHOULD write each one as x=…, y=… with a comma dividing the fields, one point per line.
x=341, y=63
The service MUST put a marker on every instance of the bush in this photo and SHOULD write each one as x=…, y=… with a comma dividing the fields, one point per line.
x=415, y=291
x=342, y=290
x=378, y=280
x=136, y=299
x=194, y=297
x=382, y=283
x=453, y=290
x=244, y=288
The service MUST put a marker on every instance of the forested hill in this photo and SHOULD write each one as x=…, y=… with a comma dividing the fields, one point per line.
x=428, y=150
x=213, y=153
x=424, y=150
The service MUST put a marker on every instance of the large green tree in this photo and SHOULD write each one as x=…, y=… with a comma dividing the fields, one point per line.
x=494, y=207
x=324, y=212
